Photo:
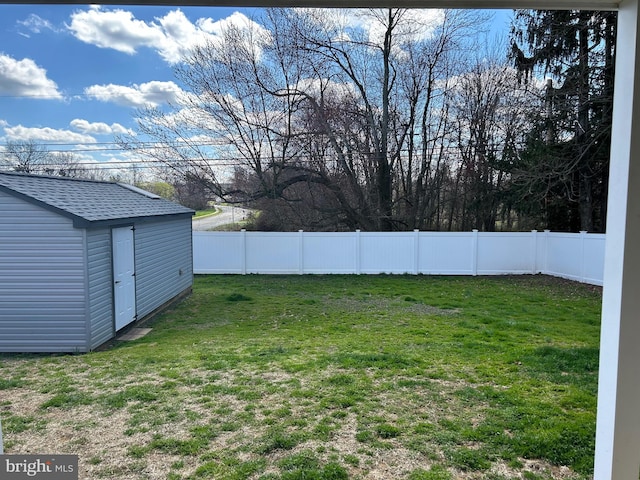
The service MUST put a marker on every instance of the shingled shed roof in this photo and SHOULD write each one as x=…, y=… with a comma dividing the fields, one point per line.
x=89, y=202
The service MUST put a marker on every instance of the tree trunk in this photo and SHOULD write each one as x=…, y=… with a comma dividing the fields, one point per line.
x=585, y=197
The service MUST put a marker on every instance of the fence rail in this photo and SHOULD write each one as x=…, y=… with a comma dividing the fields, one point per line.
x=577, y=256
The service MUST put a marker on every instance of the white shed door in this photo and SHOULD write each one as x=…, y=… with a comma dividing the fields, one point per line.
x=124, y=280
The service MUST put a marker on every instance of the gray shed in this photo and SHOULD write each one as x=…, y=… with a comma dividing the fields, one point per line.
x=81, y=259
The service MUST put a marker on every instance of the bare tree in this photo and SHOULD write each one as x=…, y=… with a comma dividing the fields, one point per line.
x=35, y=158
x=26, y=156
x=64, y=164
x=427, y=82
x=491, y=113
x=320, y=112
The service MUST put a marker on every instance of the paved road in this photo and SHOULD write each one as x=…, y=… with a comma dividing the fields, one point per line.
x=228, y=215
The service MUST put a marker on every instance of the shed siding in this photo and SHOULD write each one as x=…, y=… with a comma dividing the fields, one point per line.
x=164, y=263
x=100, y=286
x=42, y=280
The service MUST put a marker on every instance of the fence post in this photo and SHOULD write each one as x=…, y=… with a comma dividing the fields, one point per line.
x=243, y=248
x=301, y=250
x=534, y=234
x=358, y=252
x=1, y=441
x=474, y=253
x=416, y=251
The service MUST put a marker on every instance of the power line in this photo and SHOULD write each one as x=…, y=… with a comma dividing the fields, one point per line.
x=133, y=147
x=70, y=95
x=196, y=162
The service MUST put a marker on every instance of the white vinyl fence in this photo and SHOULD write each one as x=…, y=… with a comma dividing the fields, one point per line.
x=577, y=256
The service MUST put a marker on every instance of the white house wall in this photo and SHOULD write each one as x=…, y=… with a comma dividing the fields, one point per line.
x=42, y=280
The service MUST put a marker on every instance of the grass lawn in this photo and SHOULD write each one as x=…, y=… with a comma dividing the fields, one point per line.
x=328, y=377
x=206, y=213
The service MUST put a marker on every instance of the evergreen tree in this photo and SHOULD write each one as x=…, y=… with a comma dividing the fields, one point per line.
x=561, y=178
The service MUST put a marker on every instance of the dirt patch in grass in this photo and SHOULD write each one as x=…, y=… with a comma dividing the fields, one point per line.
x=112, y=444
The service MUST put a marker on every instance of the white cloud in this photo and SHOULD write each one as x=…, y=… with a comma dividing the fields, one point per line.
x=179, y=36
x=327, y=87
x=172, y=36
x=115, y=29
x=218, y=27
x=98, y=128
x=25, y=78
x=370, y=24
x=146, y=94
x=36, y=24
x=415, y=25
x=45, y=135
x=206, y=140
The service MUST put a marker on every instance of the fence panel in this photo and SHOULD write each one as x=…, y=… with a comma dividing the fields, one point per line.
x=328, y=252
x=593, y=259
x=564, y=255
x=218, y=252
x=506, y=253
x=540, y=251
x=273, y=252
x=446, y=253
x=387, y=252
x=575, y=256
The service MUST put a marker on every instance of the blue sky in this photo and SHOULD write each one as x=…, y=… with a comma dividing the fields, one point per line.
x=72, y=76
